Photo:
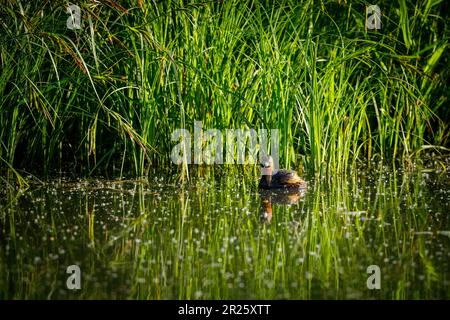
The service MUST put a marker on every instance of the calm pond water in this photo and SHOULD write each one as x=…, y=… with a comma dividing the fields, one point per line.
x=217, y=237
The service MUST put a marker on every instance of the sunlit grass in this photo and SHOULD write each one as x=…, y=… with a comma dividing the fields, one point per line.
x=106, y=98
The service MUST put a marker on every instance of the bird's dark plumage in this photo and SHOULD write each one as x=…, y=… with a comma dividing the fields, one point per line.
x=280, y=179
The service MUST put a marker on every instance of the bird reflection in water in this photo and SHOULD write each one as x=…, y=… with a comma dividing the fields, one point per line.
x=278, y=196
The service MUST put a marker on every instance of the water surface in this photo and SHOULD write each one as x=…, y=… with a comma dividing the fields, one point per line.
x=217, y=237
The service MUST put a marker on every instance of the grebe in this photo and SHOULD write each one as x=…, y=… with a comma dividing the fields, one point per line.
x=279, y=179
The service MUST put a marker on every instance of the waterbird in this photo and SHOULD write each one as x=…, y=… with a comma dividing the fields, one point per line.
x=279, y=179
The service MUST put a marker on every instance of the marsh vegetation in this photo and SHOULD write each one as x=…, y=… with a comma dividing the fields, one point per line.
x=86, y=118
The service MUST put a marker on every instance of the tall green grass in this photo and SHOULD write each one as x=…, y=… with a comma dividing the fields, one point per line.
x=106, y=98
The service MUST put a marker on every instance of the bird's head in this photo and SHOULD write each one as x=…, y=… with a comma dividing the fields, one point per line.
x=266, y=161
x=266, y=165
